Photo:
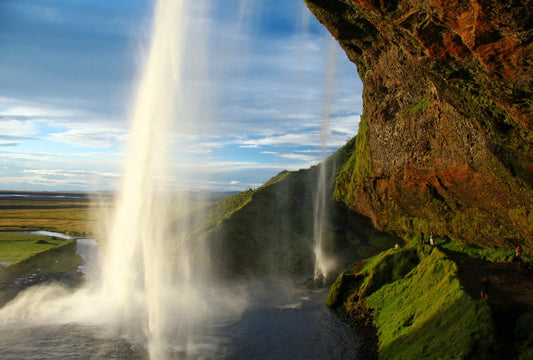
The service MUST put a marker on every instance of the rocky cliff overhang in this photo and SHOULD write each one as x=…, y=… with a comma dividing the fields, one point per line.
x=445, y=143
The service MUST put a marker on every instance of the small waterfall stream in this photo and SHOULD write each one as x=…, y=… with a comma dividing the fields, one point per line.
x=323, y=264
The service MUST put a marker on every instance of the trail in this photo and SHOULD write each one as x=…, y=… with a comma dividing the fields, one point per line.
x=510, y=296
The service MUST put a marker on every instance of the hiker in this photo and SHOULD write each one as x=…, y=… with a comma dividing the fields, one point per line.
x=518, y=252
x=421, y=238
x=431, y=240
x=485, y=288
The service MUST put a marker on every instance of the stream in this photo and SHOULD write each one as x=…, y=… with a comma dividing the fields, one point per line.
x=280, y=321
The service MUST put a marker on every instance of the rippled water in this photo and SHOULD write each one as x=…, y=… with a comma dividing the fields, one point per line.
x=280, y=322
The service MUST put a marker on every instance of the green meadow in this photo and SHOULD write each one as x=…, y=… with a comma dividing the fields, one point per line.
x=17, y=247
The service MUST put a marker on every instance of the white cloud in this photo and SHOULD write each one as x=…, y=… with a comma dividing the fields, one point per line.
x=69, y=173
x=267, y=92
x=314, y=151
x=285, y=139
x=307, y=159
x=18, y=128
x=198, y=150
x=88, y=138
x=345, y=124
x=60, y=179
x=44, y=109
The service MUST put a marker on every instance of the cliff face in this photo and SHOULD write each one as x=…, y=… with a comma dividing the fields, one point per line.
x=445, y=144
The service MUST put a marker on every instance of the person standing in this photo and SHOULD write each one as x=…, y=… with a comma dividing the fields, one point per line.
x=485, y=287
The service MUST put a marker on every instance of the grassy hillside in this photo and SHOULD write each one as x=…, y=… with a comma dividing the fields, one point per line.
x=271, y=229
x=24, y=255
x=415, y=300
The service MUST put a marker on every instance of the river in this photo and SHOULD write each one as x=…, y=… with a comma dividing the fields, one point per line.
x=279, y=321
x=278, y=325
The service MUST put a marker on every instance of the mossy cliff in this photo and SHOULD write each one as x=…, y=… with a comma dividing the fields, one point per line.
x=445, y=144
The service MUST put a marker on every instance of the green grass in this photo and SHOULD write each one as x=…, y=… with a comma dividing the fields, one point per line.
x=22, y=255
x=524, y=336
x=17, y=247
x=417, y=304
x=494, y=254
x=73, y=218
x=355, y=169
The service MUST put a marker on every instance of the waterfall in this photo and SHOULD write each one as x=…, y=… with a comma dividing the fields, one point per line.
x=135, y=274
x=141, y=294
x=323, y=264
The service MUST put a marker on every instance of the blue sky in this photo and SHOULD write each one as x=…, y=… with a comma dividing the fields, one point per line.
x=68, y=72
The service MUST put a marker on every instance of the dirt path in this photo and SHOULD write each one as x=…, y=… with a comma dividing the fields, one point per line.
x=511, y=284
x=510, y=296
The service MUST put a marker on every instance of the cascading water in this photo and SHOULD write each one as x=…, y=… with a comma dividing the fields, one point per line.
x=323, y=264
x=135, y=276
x=142, y=304
x=142, y=295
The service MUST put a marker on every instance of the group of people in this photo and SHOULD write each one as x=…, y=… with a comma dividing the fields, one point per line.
x=431, y=239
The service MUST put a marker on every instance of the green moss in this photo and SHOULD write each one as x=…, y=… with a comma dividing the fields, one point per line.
x=419, y=107
x=524, y=336
x=354, y=172
x=522, y=218
x=494, y=254
x=344, y=286
x=446, y=324
x=418, y=306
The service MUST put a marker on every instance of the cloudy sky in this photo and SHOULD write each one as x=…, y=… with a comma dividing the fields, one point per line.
x=260, y=77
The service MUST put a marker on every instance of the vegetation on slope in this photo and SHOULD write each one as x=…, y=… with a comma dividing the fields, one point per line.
x=415, y=300
x=17, y=247
x=23, y=255
x=271, y=229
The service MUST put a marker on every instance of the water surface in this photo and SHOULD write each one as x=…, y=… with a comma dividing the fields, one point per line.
x=279, y=322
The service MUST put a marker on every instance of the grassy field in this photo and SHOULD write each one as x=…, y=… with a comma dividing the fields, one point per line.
x=77, y=217
x=17, y=247
x=80, y=216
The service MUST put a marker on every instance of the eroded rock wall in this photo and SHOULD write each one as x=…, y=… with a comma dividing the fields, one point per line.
x=446, y=142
